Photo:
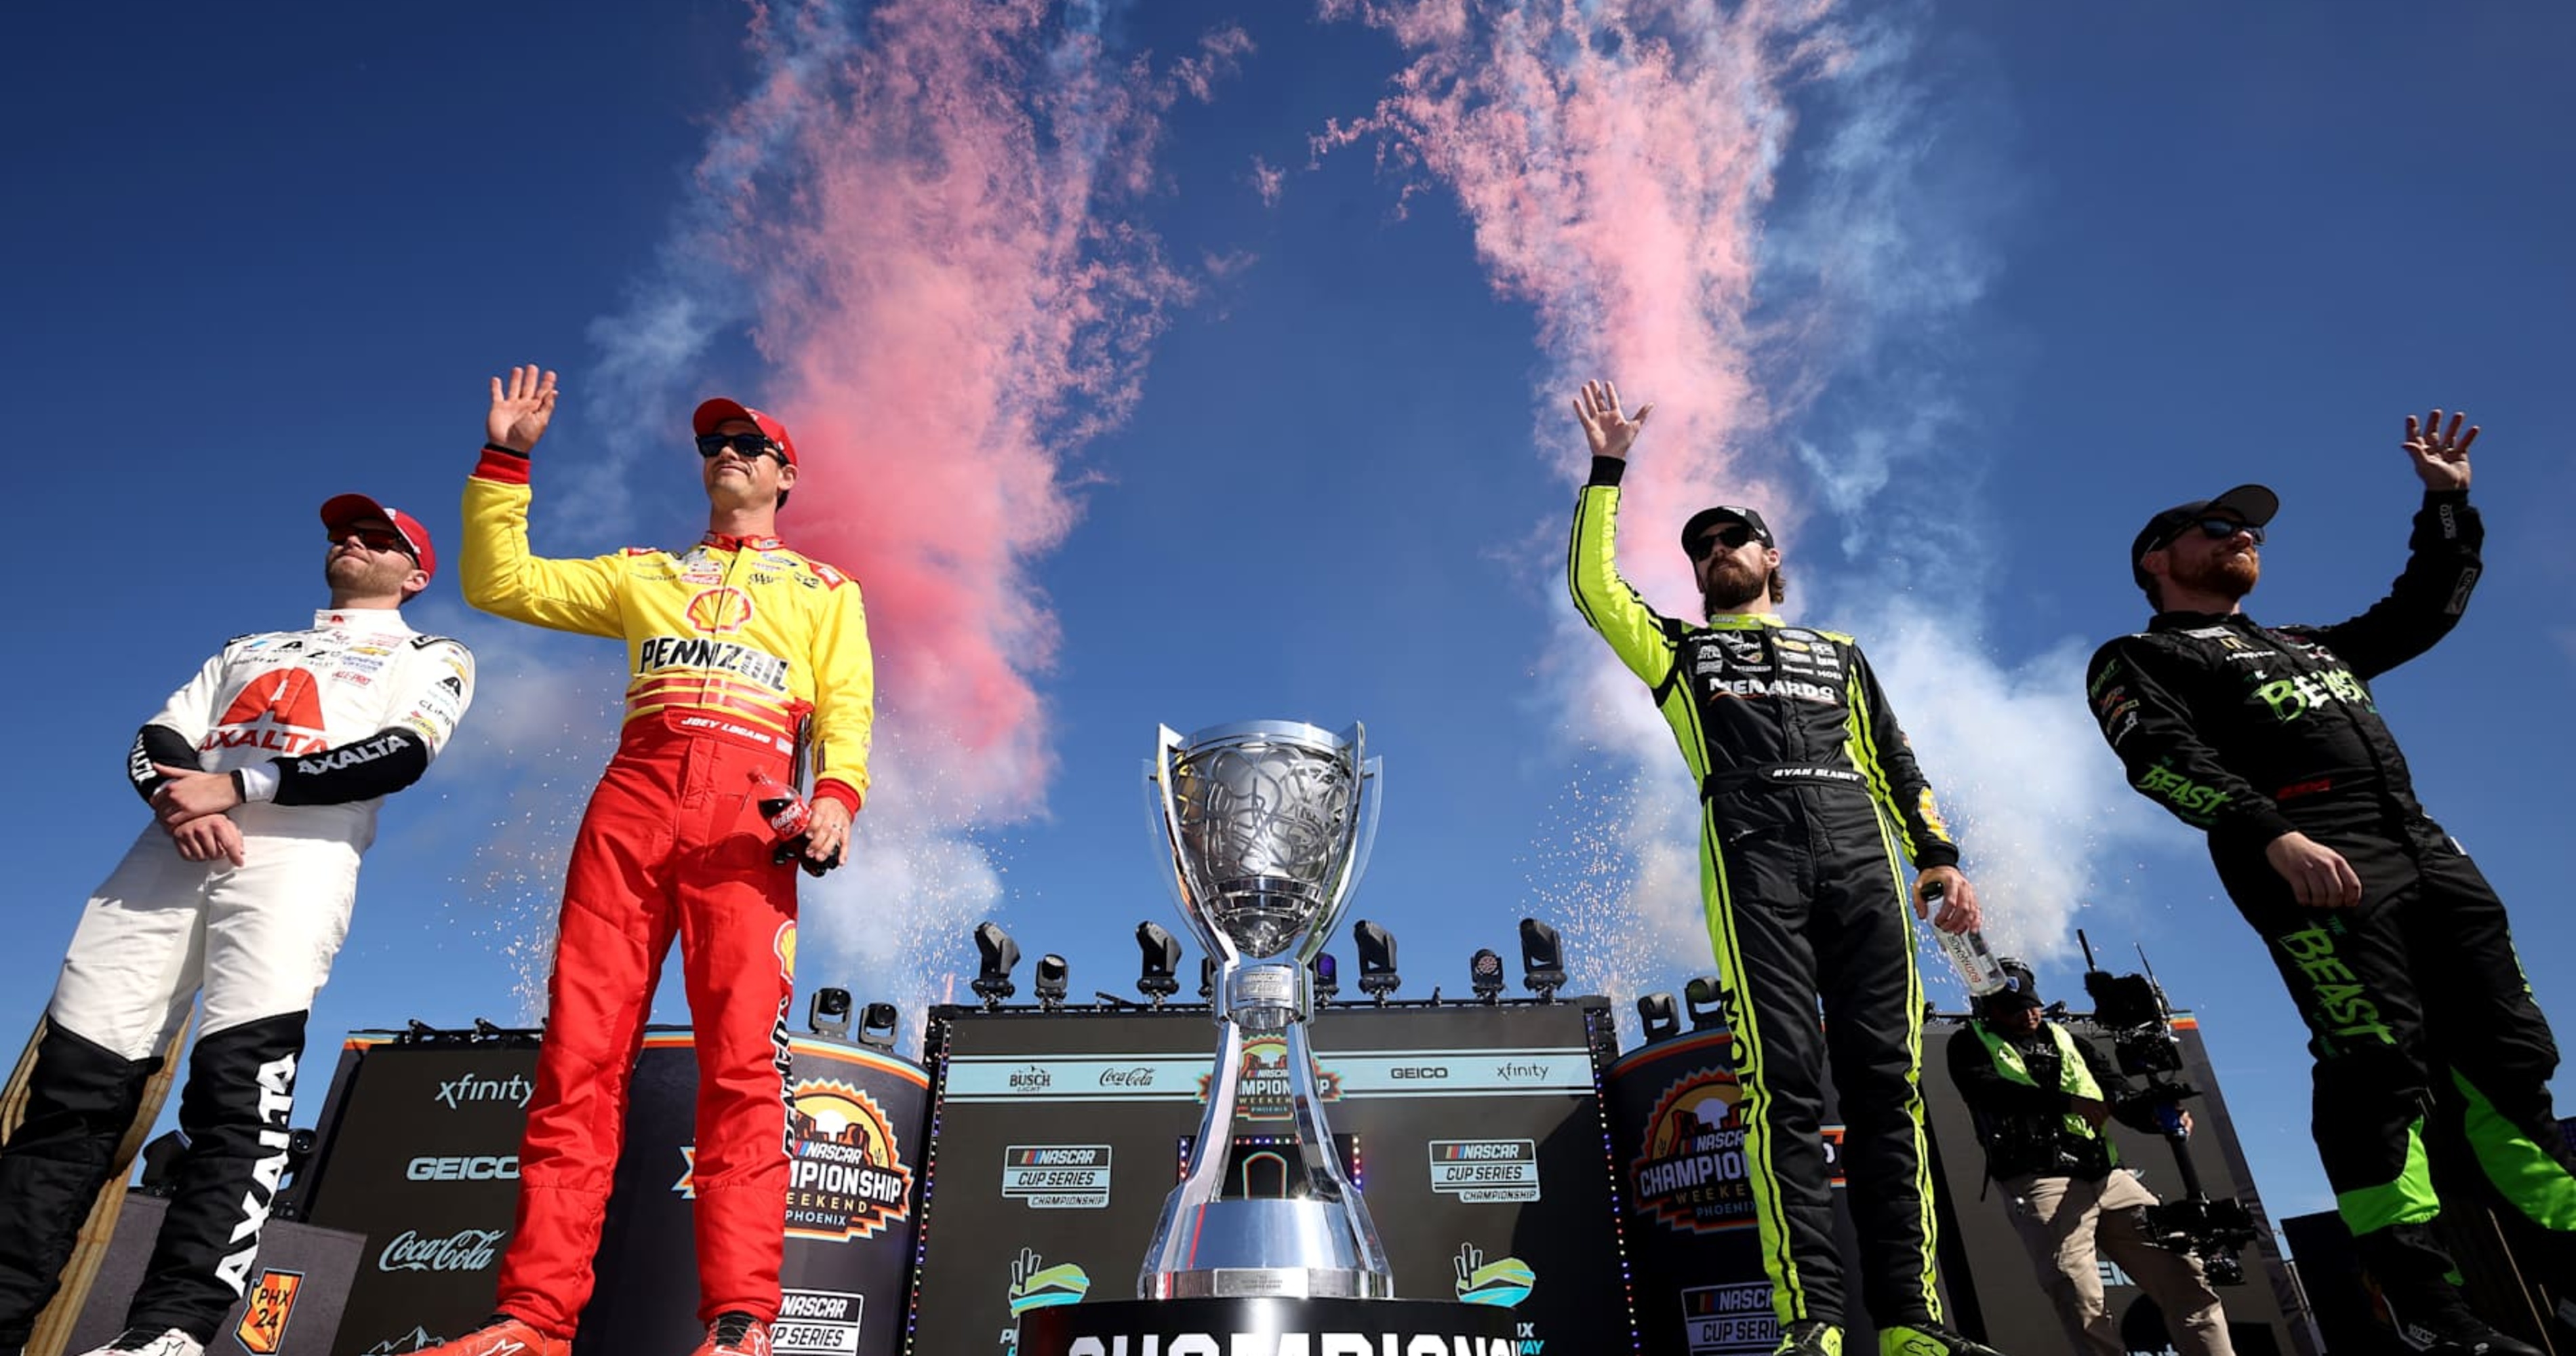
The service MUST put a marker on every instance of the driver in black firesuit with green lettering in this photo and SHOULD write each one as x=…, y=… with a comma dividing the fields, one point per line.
x=1809, y=798
x=2393, y=946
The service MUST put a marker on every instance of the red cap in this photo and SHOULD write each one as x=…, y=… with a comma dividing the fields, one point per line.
x=341, y=510
x=719, y=410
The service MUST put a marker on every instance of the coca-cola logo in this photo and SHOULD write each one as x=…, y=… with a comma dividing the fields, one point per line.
x=464, y=1250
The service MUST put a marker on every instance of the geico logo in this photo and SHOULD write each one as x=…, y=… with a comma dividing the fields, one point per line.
x=464, y=1168
x=1419, y=1071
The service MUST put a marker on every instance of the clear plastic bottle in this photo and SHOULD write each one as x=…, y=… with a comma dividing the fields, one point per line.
x=1968, y=953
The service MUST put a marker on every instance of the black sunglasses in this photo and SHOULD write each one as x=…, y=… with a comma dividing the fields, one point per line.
x=375, y=539
x=712, y=445
x=2218, y=529
x=1729, y=537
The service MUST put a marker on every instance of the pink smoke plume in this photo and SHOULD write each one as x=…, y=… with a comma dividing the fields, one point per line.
x=949, y=301
x=1613, y=160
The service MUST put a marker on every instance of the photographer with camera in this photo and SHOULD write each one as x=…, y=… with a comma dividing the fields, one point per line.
x=2041, y=1097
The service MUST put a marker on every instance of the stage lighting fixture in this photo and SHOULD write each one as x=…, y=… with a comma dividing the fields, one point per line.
x=1707, y=1003
x=877, y=1023
x=1053, y=977
x=300, y=1144
x=418, y=1030
x=1485, y=974
x=1207, y=978
x=162, y=1159
x=997, y=953
x=1328, y=976
x=1160, y=976
x=1377, y=960
x=829, y=1014
x=1659, y=1015
x=1542, y=960
x=485, y=1030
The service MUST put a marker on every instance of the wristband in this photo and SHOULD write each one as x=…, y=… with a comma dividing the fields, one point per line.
x=504, y=451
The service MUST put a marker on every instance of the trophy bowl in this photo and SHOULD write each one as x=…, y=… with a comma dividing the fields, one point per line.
x=1268, y=828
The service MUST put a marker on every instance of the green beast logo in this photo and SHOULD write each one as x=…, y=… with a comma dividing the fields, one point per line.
x=2181, y=792
x=2342, y=1006
x=2291, y=697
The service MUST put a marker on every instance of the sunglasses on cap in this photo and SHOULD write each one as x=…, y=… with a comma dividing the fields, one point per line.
x=2218, y=529
x=713, y=445
x=1725, y=536
x=375, y=539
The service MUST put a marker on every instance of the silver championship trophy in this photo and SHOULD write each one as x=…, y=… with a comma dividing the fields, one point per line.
x=1267, y=825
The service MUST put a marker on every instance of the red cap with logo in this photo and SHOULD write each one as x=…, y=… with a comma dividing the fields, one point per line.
x=719, y=410
x=340, y=512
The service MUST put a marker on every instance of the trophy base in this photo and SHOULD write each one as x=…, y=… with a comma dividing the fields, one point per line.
x=1314, y=1327
x=1220, y=1249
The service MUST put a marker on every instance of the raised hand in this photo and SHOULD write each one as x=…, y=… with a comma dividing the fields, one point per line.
x=1609, y=431
x=2441, y=455
x=521, y=411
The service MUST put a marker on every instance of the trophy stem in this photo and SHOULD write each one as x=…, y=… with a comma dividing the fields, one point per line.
x=1265, y=1207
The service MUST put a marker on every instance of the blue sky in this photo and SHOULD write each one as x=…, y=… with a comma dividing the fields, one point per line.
x=2013, y=279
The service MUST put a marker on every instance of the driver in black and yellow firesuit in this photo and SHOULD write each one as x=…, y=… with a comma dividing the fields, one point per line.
x=1809, y=798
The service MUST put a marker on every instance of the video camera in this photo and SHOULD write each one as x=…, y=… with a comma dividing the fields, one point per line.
x=2131, y=1009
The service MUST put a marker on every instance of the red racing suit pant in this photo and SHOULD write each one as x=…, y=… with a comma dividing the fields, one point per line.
x=672, y=844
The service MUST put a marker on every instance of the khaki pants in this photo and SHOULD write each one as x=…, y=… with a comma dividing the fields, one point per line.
x=2064, y=1221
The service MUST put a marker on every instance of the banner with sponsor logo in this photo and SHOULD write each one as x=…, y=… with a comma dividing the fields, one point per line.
x=1477, y=1132
x=419, y=1155
x=855, y=1121
x=1680, y=1151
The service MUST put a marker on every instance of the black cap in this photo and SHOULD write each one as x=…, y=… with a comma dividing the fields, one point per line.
x=2022, y=992
x=1700, y=521
x=2253, y=504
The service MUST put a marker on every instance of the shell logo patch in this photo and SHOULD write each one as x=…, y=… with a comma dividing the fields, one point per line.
x=785, y=945
x=720, y=611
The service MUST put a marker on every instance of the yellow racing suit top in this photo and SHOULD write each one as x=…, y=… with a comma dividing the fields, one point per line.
x=739, y=637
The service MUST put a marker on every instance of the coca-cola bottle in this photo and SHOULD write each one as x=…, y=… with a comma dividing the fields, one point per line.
x=1968, y=953
x=787, y=813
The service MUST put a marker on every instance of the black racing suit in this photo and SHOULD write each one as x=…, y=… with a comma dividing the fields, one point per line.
x=2415, y=1002
x=1809, y=796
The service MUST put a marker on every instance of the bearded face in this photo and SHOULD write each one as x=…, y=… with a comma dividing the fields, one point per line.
x=2227, y=568
x=1728, y=580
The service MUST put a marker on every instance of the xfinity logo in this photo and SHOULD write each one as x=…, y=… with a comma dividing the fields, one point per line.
x=465, y=1168
x=515, y=1089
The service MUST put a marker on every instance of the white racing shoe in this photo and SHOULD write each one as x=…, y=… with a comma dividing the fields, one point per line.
x=145, y=1342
